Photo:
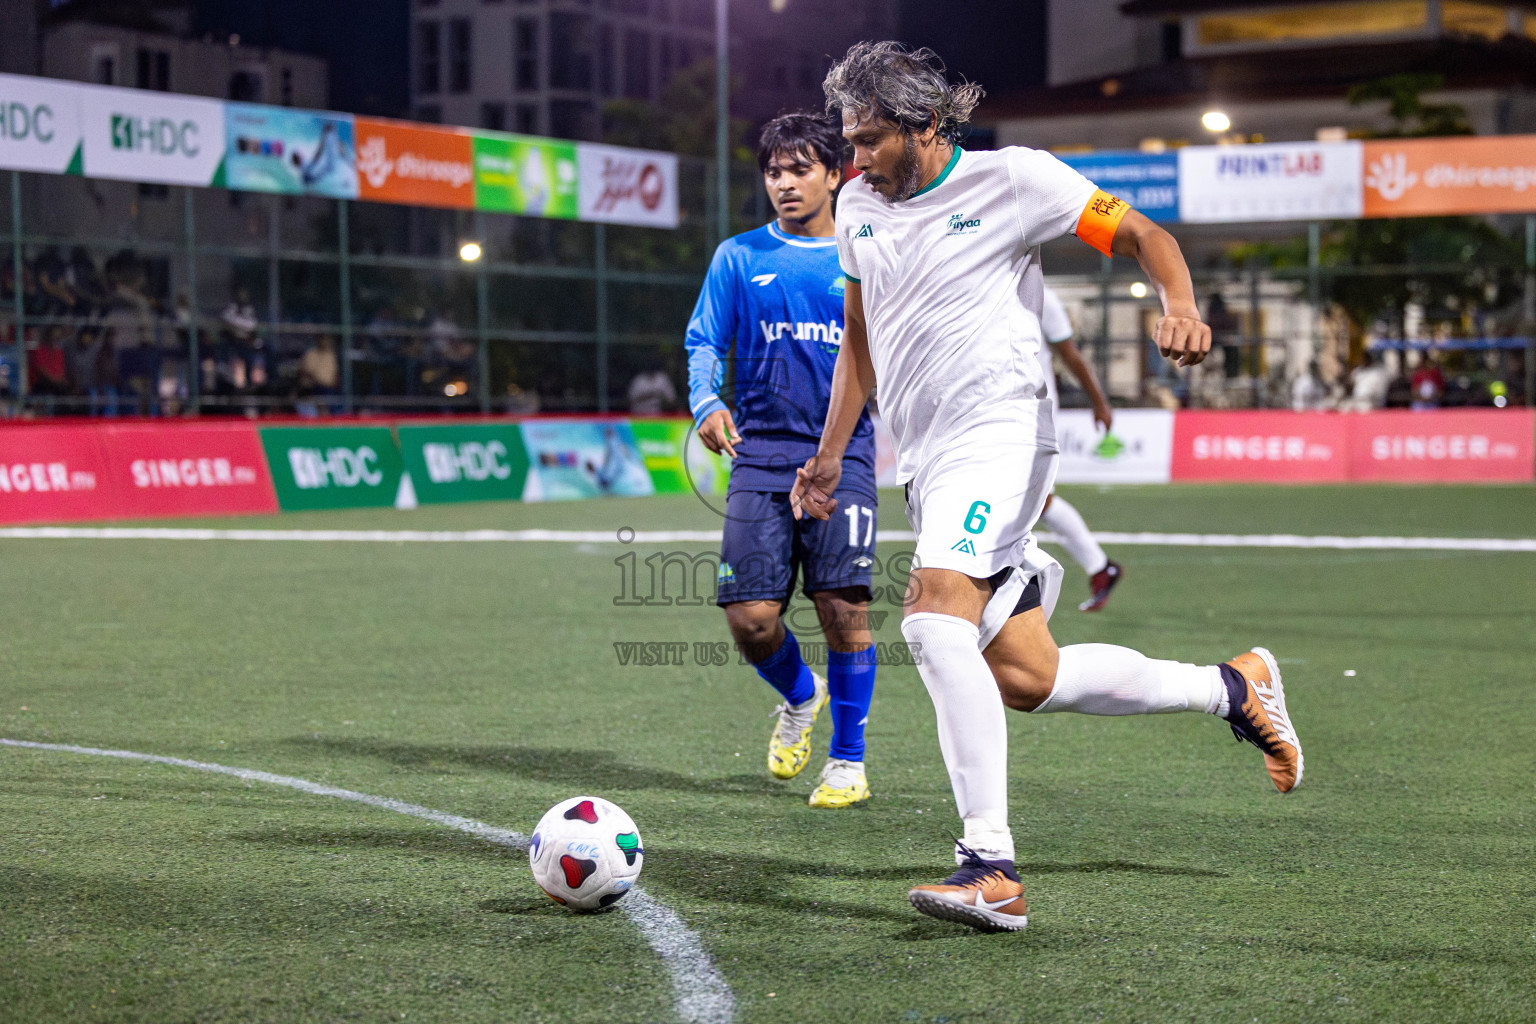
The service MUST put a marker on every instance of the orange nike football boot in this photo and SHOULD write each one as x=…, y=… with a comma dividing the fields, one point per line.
x=984, y=894
x=1257, y=715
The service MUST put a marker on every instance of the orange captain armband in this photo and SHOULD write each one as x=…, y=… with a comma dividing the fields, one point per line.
x=1100, y=218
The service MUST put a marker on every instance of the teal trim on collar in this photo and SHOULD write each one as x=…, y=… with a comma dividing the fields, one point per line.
x=954, y=158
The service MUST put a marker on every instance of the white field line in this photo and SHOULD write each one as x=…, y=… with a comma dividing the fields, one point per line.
x=701, y=994
x=1179, y=540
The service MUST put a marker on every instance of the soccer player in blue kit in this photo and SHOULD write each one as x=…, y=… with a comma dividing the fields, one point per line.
x=777, y=293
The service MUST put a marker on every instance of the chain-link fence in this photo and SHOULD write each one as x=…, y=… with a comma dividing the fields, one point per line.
x=154, y=300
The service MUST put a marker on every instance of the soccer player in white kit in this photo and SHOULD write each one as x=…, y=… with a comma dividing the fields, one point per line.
x=941, y=253
x=1060, y=516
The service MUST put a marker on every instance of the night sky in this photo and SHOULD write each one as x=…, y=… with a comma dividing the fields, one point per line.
x=999, y=43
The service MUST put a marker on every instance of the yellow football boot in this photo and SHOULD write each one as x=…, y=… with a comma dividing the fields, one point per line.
x=790, y=745
x=842, y=785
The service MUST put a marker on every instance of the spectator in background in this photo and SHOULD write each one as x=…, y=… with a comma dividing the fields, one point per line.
x=319, y=369
x=224, y=373
x=1308, y=392
x=1428, y=382
x=92, y=371
x=1368, y=388
x=46, y=369
x=55, y=295
x=651, y=392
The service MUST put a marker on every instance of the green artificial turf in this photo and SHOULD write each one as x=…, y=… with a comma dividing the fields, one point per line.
x=1167, y=880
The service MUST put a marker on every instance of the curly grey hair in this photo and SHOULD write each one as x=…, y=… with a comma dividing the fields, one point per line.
x=902, y=86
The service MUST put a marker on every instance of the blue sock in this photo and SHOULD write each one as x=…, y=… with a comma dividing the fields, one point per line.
x=786, y=672
x=851, y=680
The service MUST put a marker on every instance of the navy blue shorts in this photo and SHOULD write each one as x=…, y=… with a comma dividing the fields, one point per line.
x=765, y=547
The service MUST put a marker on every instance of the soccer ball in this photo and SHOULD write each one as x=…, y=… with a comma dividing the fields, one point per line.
x=585, y=853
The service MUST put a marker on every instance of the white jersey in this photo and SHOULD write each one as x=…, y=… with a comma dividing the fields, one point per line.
x=952, y=295
x=1057, y=328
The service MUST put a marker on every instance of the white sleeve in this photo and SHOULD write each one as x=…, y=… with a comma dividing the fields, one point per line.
x=1054, y=321
x=845, y=258
x=1049, y=195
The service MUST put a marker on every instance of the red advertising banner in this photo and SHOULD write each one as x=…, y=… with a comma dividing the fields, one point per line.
x=1450, y=446
x=415, y=164
x=98, y=471
x=52, y=475
x=1446, y=446
x=1437, y=177
x=187, y=470
x=1260, y=447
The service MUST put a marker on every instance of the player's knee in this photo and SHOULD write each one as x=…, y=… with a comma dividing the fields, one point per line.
x=844, y=621
x=754, y=626
x=1022, y=688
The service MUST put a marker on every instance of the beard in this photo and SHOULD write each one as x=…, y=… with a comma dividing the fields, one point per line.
x=905, y=175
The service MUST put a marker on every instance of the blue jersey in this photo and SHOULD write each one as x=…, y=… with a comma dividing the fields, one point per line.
x=780, y=299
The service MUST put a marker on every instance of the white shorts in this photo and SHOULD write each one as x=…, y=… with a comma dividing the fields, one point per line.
x=974, y=511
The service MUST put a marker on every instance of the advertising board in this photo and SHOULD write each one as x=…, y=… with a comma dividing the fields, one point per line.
x=292, y=152
x=465, y=462
x=1441, y=177
x=143, y=135
x=39, y=125
x=333, y=467
x=1137, y=450
x=627, y=186
x=1260, y=447
x=1273, y=182
x=1447, y=446
x=52, y=475
x=419, y=165
x=677, y=461
x=518, y=174
x=1148, y=181
x=569, y=459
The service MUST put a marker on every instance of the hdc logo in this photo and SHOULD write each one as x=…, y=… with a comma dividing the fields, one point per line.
x=20, y=123
x=314, y=469
x=449, y=464
x=160, y=136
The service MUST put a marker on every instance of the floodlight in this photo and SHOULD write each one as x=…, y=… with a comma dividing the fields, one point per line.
x=469, y=252
x=1216, y=121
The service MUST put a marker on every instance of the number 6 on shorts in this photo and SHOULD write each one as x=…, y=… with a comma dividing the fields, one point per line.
x=975, y=522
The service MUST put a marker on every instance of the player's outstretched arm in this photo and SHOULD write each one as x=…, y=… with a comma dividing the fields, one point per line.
x=1181, y=335
x=1103, y=413
x=853, y=378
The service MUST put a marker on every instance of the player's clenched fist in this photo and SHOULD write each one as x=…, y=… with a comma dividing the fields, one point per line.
x=718, y=432
x=814, y=484
x=1184, y=339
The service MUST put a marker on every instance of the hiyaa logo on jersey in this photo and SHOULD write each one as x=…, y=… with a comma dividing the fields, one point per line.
x=764, y=280
x=828, y=334
x=839, y=285
x=867, y=231
x=959, y=224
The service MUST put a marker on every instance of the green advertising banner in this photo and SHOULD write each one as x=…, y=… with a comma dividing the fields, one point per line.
x=469, y=462
x=518, y=174
x=333, y=467
x=678, y=464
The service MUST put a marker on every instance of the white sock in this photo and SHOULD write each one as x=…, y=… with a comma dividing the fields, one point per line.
x=1101, y=679
x=1067, y=524
x=973, y=734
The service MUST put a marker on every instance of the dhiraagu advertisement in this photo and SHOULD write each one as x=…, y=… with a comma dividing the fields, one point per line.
x=677, y=461
x=517, y=174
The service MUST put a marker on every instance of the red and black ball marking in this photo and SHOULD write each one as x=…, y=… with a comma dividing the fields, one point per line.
x=576, y=870
x=583, y=811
